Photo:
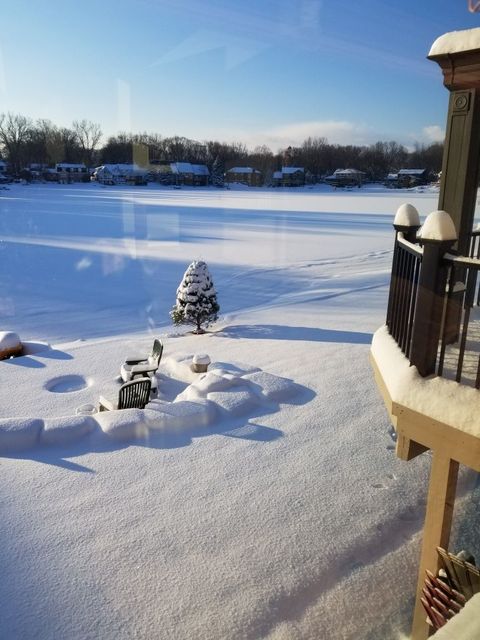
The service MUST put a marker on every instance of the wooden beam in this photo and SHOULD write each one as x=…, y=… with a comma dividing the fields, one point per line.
x=436, y=531
x=407, y=449
x=417, y=432
x=438, y=436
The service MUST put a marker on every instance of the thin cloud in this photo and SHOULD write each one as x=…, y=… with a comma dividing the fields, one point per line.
x=428, y=135
x=341, y=132
x=237, y=50
x=434, y=133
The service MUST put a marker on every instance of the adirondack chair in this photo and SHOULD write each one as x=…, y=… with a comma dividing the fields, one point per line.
x=446, y=594
x=131, y=395
x=141, y=367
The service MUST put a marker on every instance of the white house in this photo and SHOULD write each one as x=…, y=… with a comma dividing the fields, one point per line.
x=120, y=174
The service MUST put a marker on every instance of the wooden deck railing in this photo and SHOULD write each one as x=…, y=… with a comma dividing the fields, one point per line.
x=432, y=293
x=461, y=296
x=407, y=259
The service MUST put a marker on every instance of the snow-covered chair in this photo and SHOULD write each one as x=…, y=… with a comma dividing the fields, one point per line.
x=141, y=367
x=132, y=395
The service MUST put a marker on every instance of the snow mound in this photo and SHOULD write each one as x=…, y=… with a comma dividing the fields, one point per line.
x=123, y=424
x=181, y=414
x=19, y=433
x=234, y=392
x=238, y=368
x=179, y=367
x=225, y=390
x=235, y=402
x=213, y=381
x=272, y=387
x=66, y=430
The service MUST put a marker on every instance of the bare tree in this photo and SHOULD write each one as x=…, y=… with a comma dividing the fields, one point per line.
x=88, y=136
x=15, y=131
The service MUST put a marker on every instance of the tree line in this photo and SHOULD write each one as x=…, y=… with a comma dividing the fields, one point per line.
x=24, y=142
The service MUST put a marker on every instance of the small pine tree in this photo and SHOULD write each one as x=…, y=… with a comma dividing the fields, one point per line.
x=218, y=173
x=196, y=298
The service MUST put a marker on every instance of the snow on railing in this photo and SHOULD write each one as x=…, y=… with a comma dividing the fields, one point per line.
x=432, y=293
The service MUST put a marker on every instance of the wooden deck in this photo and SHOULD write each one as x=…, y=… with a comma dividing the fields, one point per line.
x=450, y=446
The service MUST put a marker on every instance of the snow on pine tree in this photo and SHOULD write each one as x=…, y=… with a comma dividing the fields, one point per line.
x=217, y=176
x=196, y=298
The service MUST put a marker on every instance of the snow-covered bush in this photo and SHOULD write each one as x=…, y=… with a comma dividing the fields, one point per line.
x=196, y=298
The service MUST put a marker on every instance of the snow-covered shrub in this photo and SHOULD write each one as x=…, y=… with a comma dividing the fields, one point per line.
x=196, y=298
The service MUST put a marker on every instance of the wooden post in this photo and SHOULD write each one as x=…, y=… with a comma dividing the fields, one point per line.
x=460, y=166
x=436, y=531
x=429, y=308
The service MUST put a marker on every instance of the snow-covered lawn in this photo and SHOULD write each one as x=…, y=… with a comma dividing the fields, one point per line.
x=286, y=519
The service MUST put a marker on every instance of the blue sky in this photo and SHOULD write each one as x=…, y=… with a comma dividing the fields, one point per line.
x=259, y=71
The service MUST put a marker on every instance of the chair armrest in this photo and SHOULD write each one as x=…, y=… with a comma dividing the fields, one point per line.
x=106, y=404
x=142, y=369
x=134, y=360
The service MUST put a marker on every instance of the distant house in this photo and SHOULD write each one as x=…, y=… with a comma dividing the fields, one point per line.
x=408, y=178
x=194, y=175
x=244, y=175
x=70, y=172
x=346, y=178
x=413, y=177
x=120, y=174
x=391, y=180
x=289, y=177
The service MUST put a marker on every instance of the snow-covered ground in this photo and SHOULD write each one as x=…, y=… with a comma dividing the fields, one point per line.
x=288, y=519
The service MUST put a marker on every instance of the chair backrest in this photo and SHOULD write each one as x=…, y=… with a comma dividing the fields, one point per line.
x=134, y=394
x=157, y=350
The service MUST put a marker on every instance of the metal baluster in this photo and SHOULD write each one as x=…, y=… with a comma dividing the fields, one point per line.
x=408, y=301
x=451, y=284
x=467, y=305
x=416, y=271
